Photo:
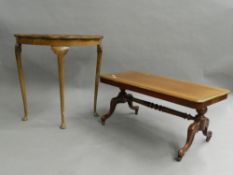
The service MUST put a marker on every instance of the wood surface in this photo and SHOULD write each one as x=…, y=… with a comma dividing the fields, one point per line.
x=59, y=36
x=61, y=52
x=18, y=50
x=97, y=77
x=179, y=91
x=59, y=40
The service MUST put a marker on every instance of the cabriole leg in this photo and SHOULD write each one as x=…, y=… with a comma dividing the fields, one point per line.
x=201, y=123
x=61, y=52
x=130, y=103
x=122, y=97
x=18, y=49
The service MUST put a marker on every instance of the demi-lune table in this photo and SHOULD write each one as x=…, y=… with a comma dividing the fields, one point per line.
x=60, y=45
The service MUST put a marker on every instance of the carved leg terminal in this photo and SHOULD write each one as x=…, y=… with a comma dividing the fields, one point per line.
x=61, y=52
x=18, y=50
x=200, y=123
x=121, y=98
x=130, y=103
x=207, y=133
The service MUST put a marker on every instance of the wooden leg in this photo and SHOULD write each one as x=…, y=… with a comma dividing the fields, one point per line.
x=207, y=133
x=193, y=128
x=201, y=123
x=61, y=52
x=122, y=97
x=130, y=103
x=97, y=76
x=18, y=50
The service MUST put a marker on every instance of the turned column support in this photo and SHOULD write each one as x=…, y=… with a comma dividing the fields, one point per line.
x=61, y=52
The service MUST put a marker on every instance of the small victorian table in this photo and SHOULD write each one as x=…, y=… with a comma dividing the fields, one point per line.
x=60, y=45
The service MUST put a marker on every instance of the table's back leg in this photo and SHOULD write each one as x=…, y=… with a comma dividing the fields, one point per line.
x=18, y=49
x=130, y=103
x=120, y=98
x=97, y=76
x=61, y=52
x=205, y=131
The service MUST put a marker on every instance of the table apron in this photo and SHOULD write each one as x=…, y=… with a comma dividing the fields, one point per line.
x=58, y=42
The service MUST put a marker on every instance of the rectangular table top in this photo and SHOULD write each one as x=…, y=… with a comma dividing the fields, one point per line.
x=192, y=92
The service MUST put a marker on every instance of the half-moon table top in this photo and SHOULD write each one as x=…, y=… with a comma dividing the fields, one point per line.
x=59, y=39
x=189, y=91
x=59, y=36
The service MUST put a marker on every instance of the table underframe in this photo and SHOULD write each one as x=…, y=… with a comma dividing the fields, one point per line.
x=60, y=51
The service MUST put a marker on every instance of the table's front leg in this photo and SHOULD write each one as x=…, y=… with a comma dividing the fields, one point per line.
x=61, y=52
x=97, y=76
x=201, y=123
x=18, y=49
